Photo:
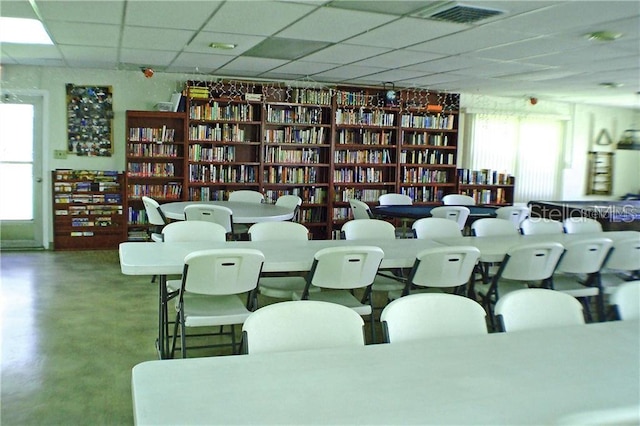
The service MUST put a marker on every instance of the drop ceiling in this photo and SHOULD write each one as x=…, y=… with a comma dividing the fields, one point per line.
x=526, y=49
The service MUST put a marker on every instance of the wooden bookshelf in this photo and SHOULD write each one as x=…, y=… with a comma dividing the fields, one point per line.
x=155, y=164
x=487, y=186
x=88, y=209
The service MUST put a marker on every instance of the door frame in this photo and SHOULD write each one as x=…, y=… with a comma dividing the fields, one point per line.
x=41, y=158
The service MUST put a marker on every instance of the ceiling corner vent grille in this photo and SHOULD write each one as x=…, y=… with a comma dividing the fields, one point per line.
x=457, y=13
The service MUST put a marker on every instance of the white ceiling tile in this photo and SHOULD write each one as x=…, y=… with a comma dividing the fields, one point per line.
x=78, y=53
x=86, y=34
x=304, y=68
x=334, y=25
x=202, y=62
x=450, y=63
x=96, y=11
x=21, y=51
x=249, y=64
x=188, y=15
x=406, y=32
x=471, y=40
x=147, y=57
x=393, y=75
x=398, y=58
x=348, y=72
x=17, y=9
x=337, y=53
x=256, y=17
x=528, y=48
x=155, y=38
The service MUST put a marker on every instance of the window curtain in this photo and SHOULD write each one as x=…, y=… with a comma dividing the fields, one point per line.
x=529, y=148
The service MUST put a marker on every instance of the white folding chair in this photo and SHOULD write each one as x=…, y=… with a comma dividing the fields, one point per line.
x=211, y=213
x=302, y=325
x=337, y=271
x=292, y=202
x=459, y=214
x=429, y=315
x=440, y=268
x=279, y=286
x=363, y=229
x=622, y=265
x=534, y=308
x=435, y=227
x=578, y=272
x=514, y=214
x=581, y=225
x=626, y=300
x=458, y=200
x=394, y=199
x=359, y=209
x=212, y=283
x=522, y=266
x=155, y=217
x=540, y=226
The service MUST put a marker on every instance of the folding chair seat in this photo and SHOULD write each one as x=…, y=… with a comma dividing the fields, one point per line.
x=337, y=271
x=209, y=296
x=302, y=325
x=534, y=308
x=429, y=315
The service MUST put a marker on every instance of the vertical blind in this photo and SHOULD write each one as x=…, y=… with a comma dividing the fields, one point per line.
x=530, y=148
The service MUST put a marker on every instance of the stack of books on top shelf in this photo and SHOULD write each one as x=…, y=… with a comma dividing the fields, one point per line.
x=196, y=92
x=484, y=177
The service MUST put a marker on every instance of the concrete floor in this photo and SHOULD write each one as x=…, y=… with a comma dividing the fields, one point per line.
x=72, y=328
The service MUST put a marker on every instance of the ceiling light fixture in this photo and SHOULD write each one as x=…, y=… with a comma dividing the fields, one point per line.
x=604, y=36
x=23, y=31
x=223, y=46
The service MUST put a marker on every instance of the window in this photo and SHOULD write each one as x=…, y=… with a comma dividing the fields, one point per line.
x=528, y=147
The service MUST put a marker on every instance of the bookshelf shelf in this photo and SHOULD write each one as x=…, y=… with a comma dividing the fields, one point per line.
x=88, y=209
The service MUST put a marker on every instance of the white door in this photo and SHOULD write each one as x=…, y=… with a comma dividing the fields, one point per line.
x=21, y=172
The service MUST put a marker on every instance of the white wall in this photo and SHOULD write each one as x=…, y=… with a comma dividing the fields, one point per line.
x=132, y=91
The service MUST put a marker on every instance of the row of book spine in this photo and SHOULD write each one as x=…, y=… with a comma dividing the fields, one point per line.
x=427, y=156
x=291, y=175
x=364, y=137
x=199, y=152
x=359, y=175
x=364, y=118
x=151, y=169
x=309, y=195
x=226, y=133
x=215, y=111
x=375, y=156
x=343, y=194
x=435, y=121
x=421, y=138
x=423, y=175
x=315, y=135
x=423, y=194
x=212, y=173
x=295, y=115
x=167, y=191
x=281, y=155
x=153, y=150
x=150, y=134
x=484, y=177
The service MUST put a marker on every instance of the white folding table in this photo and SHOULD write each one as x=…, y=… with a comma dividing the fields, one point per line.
x=531, y=377
x=162, y=259
x=242, y=212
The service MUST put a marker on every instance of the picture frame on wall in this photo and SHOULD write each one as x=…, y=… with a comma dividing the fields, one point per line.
x=90, y=120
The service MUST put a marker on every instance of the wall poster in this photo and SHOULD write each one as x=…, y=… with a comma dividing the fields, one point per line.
x=89, y=120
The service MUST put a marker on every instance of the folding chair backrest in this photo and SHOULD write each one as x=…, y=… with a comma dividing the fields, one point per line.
x=539, y=226
x=625, y=255
x=493, y=227
x=585, y=256
x=458, y=200
x=359, y=229
x=429, y=315
x=459, y=214
x=359, y=209
x=393, y=199
x=514, y=214
x=302, y=325
x=538, y=308
x=153, y=211
x=531, y=262
x=278, y=231
x=346, y=267
x=435, y=227
x=246, y=196
x=626, y=299
x=193, y=230
x=581, y=225
x=222, y=271
x=211, y=213
x=450, y=266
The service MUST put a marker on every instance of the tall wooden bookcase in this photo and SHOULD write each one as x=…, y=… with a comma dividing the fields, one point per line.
x=155, y=164
x=88, y=209
x=325, y=145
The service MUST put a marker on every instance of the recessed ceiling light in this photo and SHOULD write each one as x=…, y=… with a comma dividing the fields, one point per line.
x=223, y=46
x=611, y=85
x=604, y=36
x=23, y=31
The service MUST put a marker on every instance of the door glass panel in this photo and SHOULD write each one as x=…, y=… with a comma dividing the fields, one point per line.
x=15, y=185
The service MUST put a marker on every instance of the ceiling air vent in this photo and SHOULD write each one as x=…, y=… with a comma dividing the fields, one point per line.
x=457, y=13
